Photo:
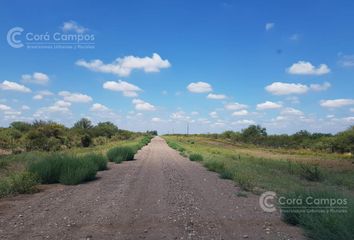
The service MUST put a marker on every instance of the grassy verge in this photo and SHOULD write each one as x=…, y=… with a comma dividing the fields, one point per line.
x=120, y=154
x=304, y=175
x=20, y=173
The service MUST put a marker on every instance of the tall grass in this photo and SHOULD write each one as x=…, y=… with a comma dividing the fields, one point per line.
x=98, y=159
x=120, y=154
x=196, y=157
x=126, y=153
x=66, y=169
x=325, y=223
x=18, y=183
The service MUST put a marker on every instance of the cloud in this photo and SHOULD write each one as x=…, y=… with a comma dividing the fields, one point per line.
x=37, y=77
x=346, y=60
x=268, y=105
x=269, y=26
x=128, y=89
x=97, y=107
x=244, y=122
x=124, y=66
x=291, y=111
x=240, y=113
x=4, y=107
x=334, y=103
x=75, y=97
x=156, y=119
x=213, y=114
x=199, y=87
x=294, y=37
x=235, y=106
x=72, y=26
x=41, y=94
x=216, y=96
x=306, y=68
x=12, y=86
x=60, y=106
x=280, y=88
x=180, y=115
x=320, y=87
x=194, y=113
x=142, y=105
x=25, y=107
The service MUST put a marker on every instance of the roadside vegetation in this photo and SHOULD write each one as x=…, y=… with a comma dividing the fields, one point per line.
x=47, y=152
x=292, y=167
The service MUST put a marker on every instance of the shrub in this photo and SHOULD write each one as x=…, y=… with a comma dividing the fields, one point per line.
x=98, y=159
x=120, y=154
x=48, y=168
x=86, y=140
x=18, y=183
x=196, y=157
x=326, y=225
x=75, y=171
x=310, y=172
x=65, y=169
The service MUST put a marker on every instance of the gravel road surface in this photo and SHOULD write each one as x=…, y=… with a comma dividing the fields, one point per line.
x=160, y=195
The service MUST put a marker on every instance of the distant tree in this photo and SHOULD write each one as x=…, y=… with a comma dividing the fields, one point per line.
x=21, y=126
x=105, y=129
x=253, y=133
x=83, y=124
x=153, y=132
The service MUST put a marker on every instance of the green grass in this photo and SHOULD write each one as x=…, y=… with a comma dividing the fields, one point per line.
x=98, y=159
x=65, y=169
x=320, y=224
x=77, y=170
x=18, y=183
x=120, y=154
x=196, y=157
x=259, y=170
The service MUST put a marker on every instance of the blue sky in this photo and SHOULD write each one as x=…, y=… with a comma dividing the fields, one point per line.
x=217, y=65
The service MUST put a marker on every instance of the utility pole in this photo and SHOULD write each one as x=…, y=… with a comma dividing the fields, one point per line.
x=187, y=128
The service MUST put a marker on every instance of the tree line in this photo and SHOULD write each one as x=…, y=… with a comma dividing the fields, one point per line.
x=52, y=136
x=342, y=142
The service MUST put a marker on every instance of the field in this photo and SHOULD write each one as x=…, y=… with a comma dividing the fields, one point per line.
x=301, y=173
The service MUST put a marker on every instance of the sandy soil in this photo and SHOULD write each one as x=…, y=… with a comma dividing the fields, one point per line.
x=160, y=195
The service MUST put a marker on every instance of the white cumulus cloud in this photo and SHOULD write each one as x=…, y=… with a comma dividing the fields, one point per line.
x=13, y=86
x=143, y=106
x=216, y=96
x=4, y=107
x=75, y=97
x=268, y=105
x=199, y=87
x=320, y=87
x=128, y=89
x=97, y=107
x=124, y=66
x=306, y=68
x=334, y=103
x=235, y=106
x=72, y=26
x=240, y=113
x=280, y=88
x=37, y=77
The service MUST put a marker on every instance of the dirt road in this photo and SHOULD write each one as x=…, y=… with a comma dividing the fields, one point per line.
x=160, y=195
